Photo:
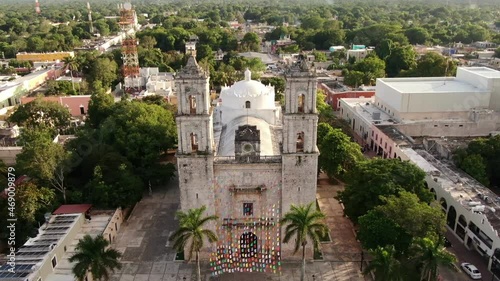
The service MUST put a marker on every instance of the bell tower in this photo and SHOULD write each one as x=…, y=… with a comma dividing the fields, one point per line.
x=194, y=123
x=195, y=137
x=300, y=121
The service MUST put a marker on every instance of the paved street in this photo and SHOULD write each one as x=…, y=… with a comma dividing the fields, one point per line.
x=148, y=257
x=465, y=255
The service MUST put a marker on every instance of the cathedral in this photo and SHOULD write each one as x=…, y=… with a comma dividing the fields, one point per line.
x=247, y=159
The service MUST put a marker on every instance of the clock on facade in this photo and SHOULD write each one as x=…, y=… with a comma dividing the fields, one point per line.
x=247, y=148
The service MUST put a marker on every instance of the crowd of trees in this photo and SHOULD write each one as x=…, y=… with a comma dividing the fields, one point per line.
x=114, y=157
x=480, y=159
x=398, y=220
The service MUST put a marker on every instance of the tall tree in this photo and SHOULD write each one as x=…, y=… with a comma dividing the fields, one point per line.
x=105, y=70
x=380, y=177
x=40, y=113
x=384, y=265
x=94, y=255
x=377, y=230
x=432, y=65
x=338, y=153
x=44, y=160
x=192, y=233
x=100, y=106
x=429, y=256
x=71, y=64
x=418, y=218
x=400, y=58
x=305, y=223
x=250, y=42
x=142, y=133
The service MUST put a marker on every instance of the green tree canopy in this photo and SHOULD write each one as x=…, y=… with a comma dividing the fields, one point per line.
x=400, y=58
x=384, y=265
x=94, y=255
x=377, y=230
x=43, y=160
x=40, y=113
x=338, y=153
x=486, y=168
x=250, y=42
x=371, y=180
x=418, y=218
x=191, y=234
x=141, y=132
x=304, y=223
x=432, y=65
x=429, y=256
x=105, y=70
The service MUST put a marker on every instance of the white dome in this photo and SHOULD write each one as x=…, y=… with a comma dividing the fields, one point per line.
x=249, y=88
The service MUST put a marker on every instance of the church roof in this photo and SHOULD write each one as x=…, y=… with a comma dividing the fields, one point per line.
x=268, y=143
x=248, y=88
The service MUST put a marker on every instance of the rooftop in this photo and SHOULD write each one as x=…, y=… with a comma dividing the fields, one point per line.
x=72, y=209
x=472, y=195
x=483, y=71
x=365, y=108
x=394, y=134
x=429, y=85
x=94, y=227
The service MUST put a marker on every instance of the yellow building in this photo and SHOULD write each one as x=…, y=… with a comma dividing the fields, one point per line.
x=44, y=56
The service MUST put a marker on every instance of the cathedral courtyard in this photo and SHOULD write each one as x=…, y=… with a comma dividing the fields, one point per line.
x=148, y=256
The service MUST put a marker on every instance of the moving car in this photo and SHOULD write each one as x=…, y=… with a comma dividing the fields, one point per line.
x=471, y=270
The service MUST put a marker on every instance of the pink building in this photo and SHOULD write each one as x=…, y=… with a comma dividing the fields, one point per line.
x=77, y=105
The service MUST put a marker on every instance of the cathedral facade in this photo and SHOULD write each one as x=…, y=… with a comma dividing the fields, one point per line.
x=247, y=160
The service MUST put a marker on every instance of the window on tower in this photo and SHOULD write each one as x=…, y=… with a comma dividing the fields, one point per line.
x=247, y=209
x=301, y=103
x=300, y=142
x=247, y=104
x=194, y=142
x=192, y=104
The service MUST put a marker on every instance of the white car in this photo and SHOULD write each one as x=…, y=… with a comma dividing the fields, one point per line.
x=471, y=270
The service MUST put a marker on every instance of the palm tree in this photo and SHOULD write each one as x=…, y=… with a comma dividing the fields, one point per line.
x=71, y=64
x=384, y=265
x=430, y=256
x=94, y=255
x=304, y=223
x=192, y=234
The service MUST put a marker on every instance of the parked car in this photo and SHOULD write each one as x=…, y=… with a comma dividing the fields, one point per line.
x=471, y=270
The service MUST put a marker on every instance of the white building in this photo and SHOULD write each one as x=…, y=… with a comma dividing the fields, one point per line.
x=462, y=106
x=45, y=257
x=153, y=82
x=247, y=162
x=358, y=54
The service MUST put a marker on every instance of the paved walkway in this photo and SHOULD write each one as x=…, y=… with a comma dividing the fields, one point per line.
x=147, y=256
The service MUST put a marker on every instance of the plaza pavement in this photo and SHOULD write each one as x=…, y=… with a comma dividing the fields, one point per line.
x=147, y=256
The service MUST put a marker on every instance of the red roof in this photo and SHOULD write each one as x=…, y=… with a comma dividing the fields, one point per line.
x=73, y=103
x=72, y=209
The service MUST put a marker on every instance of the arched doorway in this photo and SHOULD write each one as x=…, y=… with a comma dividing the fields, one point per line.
x=462, y=223
x=248, y=245
x=433, y=192
x=451, y=218
x=443, y=203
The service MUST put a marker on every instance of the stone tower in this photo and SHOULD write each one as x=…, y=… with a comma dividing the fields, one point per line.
x=300, y=120
x=195, y=134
